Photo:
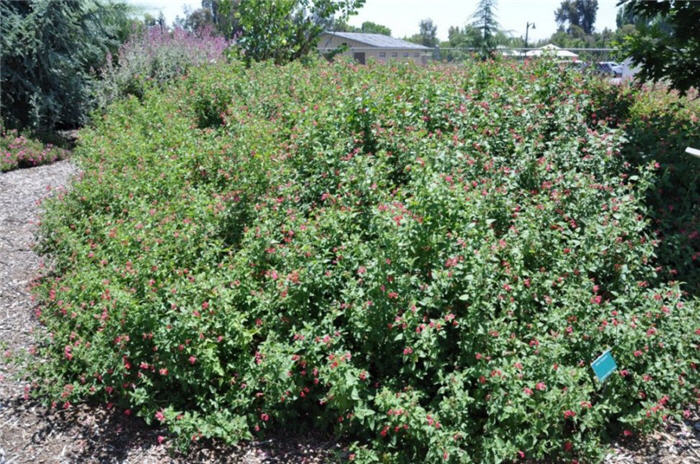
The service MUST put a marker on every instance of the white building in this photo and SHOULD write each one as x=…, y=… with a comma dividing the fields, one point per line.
x=362, y=46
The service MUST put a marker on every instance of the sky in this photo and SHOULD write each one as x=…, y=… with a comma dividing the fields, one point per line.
x=403, y=16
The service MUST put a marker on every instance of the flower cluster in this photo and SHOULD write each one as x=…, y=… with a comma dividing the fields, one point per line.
x=19, y=151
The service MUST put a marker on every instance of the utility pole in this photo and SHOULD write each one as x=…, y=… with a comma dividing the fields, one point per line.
x=528, y=25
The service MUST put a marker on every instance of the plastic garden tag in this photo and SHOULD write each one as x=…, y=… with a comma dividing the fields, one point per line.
x=603, y=366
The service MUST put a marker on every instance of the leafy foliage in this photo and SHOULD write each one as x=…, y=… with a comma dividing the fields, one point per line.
x=659, y=126
x=49, y=51
x=367, y=27
x=285, y=30
x=156, y=57
x=374, y=28
x=424, y=260
x=666, y=44
x=484, y=19
x=427, y=33
x=19, y=151
x=577, y=14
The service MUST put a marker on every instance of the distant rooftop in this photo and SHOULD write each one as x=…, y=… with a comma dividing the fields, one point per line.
x=378, y=40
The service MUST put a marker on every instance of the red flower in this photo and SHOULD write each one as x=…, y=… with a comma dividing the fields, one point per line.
x=569, y=413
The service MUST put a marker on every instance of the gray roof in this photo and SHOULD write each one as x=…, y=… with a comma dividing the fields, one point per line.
x=378, y=40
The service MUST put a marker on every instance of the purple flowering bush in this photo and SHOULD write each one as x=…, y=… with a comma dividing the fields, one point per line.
x=20, y=151
x=423, y=260
x=156, y=56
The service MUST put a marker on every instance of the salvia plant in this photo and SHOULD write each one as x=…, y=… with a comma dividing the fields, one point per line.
x=423, y=260
x=155, y=56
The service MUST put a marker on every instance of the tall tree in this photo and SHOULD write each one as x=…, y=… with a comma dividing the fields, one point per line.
x=49, y=51
x=198, y=20
x=484, y=19
x=284, y=30
x=427, y=32
x=580, y=13
x=665, y=44
x=223, y=15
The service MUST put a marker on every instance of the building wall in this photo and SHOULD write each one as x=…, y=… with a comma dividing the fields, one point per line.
x=382, y=55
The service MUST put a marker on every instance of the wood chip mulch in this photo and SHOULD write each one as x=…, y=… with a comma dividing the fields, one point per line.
x=31, y=433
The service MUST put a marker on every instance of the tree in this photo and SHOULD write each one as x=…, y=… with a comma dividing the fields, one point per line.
x=484, y=19
x=428, y=33
x=223, y=15
x=374, y=28
x=284, y=30
x=666, y=42
x=198, y=20
x=626, y=16
x=49, y=51
x=580, y=13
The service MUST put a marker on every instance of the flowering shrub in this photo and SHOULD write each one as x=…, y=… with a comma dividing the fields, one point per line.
x=156, y=56
x=18, y=151
x=425, y=260
x=659, y=126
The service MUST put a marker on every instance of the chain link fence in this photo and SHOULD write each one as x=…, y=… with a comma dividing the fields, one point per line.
x=456, y=55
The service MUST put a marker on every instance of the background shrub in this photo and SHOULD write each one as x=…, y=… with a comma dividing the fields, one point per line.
x=20, y=151
x=425, y=260
x=156, y=56
x=659, y=125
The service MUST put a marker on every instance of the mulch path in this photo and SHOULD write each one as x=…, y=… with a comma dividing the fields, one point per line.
x=31, y=433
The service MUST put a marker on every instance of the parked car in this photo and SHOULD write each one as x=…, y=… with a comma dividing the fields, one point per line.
x=609, y=67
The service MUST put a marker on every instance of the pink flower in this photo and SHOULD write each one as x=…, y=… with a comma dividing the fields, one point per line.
x=193, y=359
x=160, y=439
x=569, y=413
x=160, y=416
x=264, y=417
x=408, y=350
x=527, y=391
x=541, y=386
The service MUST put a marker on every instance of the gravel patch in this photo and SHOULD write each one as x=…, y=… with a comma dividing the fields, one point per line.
x=31, y=433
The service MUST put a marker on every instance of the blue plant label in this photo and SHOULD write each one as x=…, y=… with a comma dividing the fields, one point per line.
x=604, y=365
